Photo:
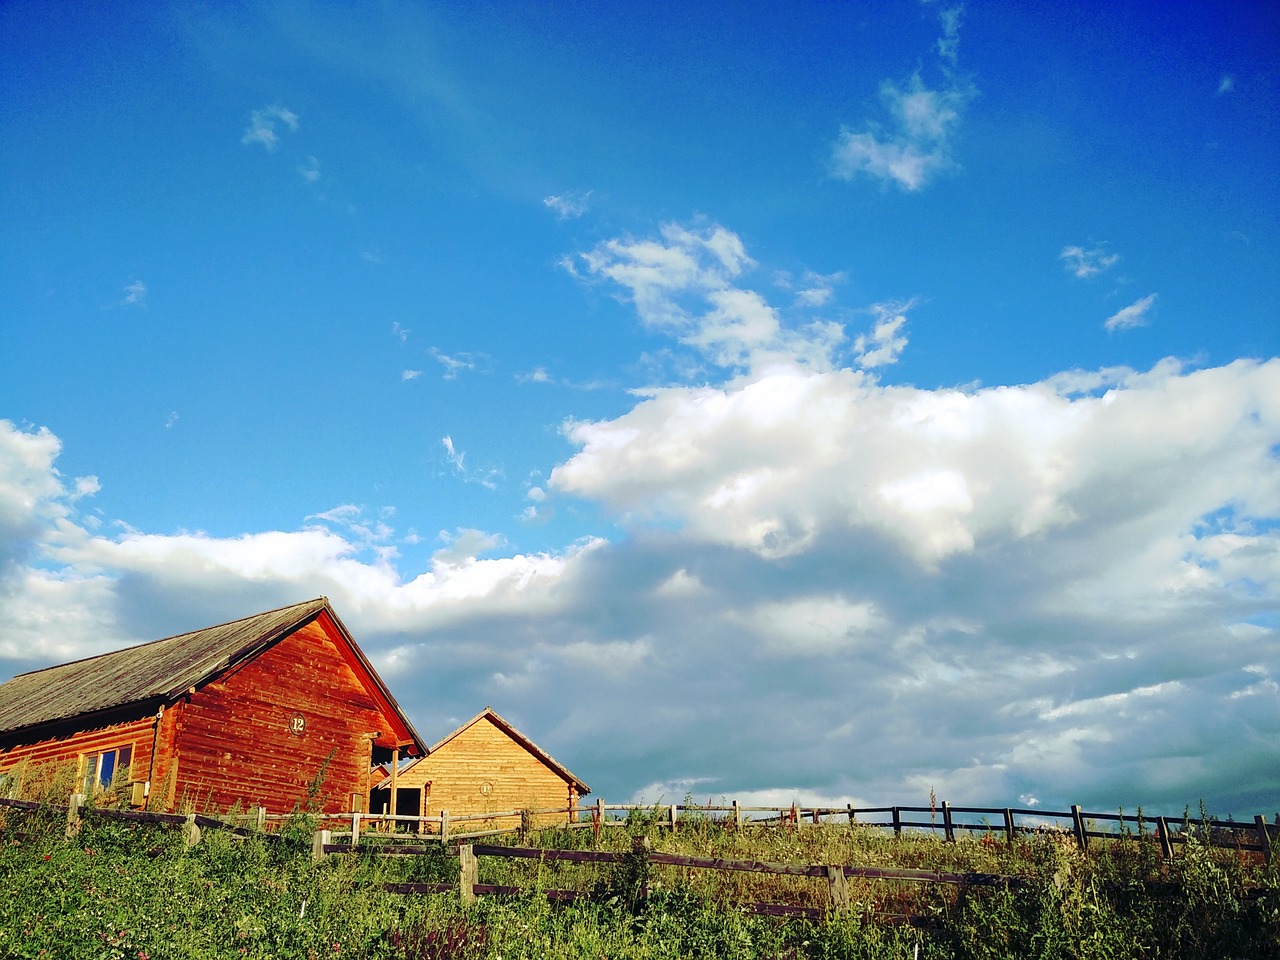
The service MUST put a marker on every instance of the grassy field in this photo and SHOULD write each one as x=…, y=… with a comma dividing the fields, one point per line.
x=129, y=891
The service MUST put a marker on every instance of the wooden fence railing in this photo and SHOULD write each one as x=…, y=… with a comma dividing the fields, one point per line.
x=835, y=875
x=1008, y=822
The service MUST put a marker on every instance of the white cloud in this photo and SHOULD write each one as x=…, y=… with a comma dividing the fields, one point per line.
x=171, y=419
x=310, y=171
x=1134, y=315
x=401, y=333
x=487, y=477
x=686, y=283
x=410, y=374
x=457, y=363
x=914, y=146
x=1226, y=85
x=263, y=125
x=1084, y=263
x=568, y=206
x=886, y=341
x=135, y=294
x=971, y=590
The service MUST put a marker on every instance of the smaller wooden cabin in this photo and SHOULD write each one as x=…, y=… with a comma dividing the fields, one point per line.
x=485, y=766
x=254, y=711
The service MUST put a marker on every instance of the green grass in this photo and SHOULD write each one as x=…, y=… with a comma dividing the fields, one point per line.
x=128, y=891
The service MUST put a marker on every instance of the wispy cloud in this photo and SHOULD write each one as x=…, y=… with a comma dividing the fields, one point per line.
x=400, y=332
x=1134, y=315
x=135, y=294
x=457, y=363
x=171, y=419
x=310, y=171
x=410, y=374
x=1087, y=263
x=914, y=145
x=487, y=477
x=570, y=205
x=1226, y=85
x=263, y=125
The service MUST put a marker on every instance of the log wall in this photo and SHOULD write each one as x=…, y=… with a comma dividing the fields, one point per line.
x=237, y=741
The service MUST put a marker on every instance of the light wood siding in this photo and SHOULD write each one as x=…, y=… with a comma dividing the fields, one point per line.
x=234, y=740
x=481, y=754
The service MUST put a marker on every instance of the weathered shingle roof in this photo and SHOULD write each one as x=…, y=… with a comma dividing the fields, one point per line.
x=159, y=671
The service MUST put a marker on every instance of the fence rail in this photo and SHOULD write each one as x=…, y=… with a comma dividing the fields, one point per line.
x=950, y=821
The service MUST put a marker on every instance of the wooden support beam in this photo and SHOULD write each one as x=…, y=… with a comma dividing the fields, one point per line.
x=1166, y=841
x=839, y=886
x=318, y=841
x=1010, y=829
x=1077, y=822
x=73, y=813
x=948, y=827
x=468, y=874
x=1264, y=838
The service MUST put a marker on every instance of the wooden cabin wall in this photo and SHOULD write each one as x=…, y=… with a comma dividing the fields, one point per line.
x=485, y=754
x=235, y=743
x=70, y=746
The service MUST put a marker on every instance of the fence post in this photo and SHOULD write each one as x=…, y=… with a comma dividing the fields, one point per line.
x=444, y=827
x=737, y=816
x=897, y=822
x=948, y=828
x=1009, y=829
x=355, y=827
x=318, y=841
x=190, y=831
x=467, y=874
x=1264, y=838
x=1077, y=819
x=1166, y=841
x=73, y=813
x=260, y=816
x=852, y=815
x=817, y=817
x=674, y=815
x=839, y=886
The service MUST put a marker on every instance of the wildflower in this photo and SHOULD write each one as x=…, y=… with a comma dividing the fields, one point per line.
x=46, y=856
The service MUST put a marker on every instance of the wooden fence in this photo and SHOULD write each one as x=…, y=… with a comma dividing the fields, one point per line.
x=836, y=876
x=942, y=819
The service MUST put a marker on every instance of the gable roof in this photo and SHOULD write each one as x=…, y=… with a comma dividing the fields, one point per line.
x=161, y=671
x=498, y=721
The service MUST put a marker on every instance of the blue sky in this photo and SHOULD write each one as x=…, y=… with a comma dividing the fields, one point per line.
x=790, y=401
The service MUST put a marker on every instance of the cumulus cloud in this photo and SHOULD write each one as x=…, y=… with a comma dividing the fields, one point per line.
x=1134, y=315
x=1084, y=263
x=966, y=590
x=886, y=341
x=264, y=123
x=687, y=283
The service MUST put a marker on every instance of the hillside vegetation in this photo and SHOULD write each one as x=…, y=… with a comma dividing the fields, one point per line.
x=120, y=890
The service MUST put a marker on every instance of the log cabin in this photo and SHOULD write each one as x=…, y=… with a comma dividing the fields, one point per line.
x=279, y=709
x=484, y=766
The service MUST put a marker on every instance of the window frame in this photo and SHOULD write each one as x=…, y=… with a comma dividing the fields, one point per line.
x=92, y=780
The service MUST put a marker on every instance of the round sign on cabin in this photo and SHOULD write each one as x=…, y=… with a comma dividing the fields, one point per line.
x=486, y=788
x=297, y=724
